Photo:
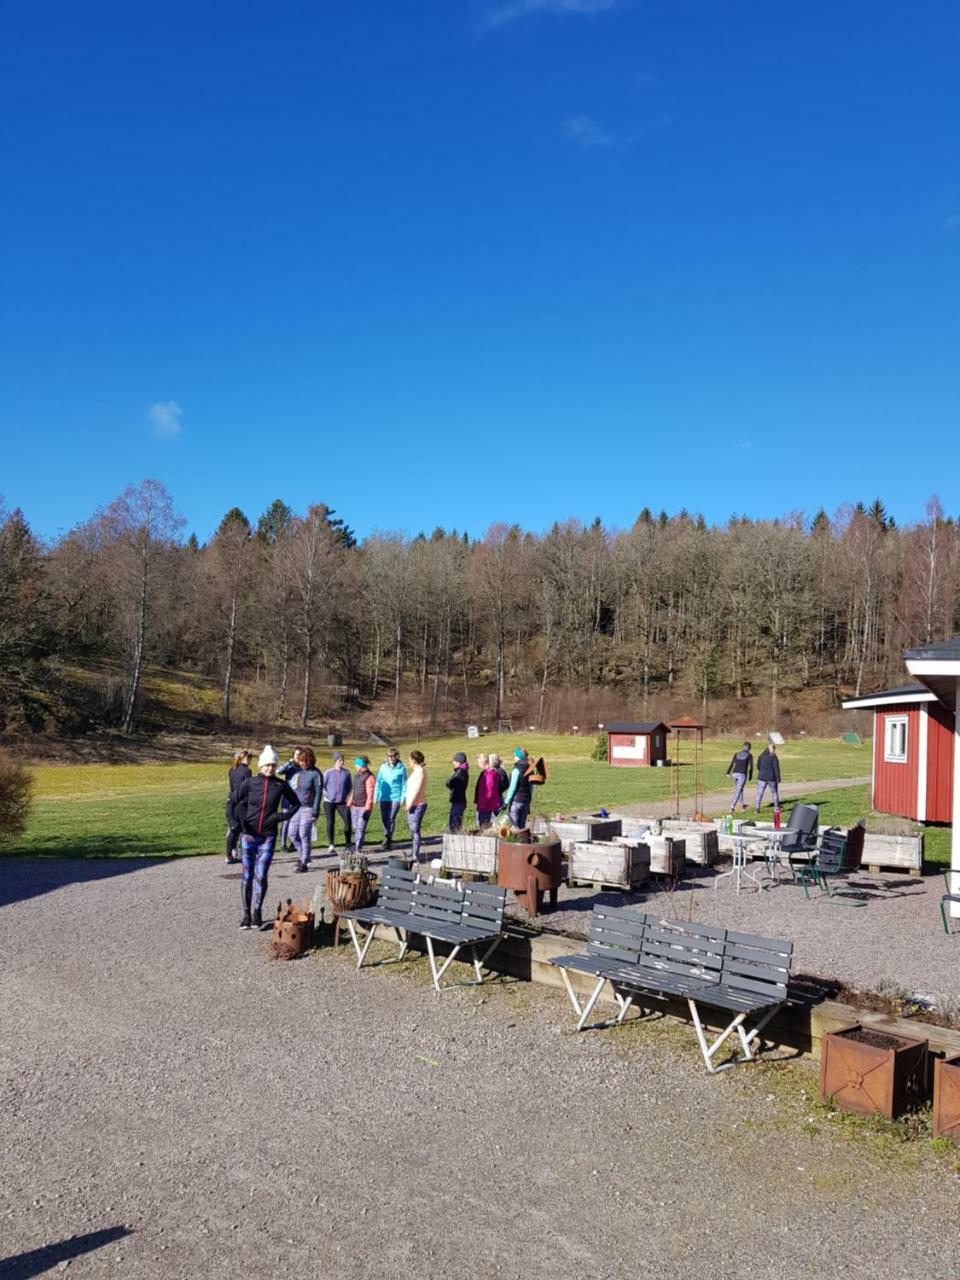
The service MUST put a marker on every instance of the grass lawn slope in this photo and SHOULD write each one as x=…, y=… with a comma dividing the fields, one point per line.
x=177, y=809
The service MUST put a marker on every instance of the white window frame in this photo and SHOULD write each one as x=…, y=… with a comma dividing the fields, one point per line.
x=891, y=724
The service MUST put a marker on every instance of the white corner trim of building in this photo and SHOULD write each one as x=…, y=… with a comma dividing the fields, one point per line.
x=923, y=731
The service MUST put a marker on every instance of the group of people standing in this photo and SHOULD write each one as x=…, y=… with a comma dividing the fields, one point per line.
x=285, y=801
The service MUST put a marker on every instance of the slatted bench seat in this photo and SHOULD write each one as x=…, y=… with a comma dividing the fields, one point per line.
x=459, y=915
x=642, y=956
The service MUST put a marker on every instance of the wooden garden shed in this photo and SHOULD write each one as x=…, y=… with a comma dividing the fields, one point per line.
x=912, y=769
x=633, y=744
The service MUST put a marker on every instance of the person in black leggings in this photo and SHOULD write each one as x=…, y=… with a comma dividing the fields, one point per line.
x=237, y=774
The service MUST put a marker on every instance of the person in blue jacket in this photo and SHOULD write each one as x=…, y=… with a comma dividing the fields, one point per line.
x=519, y=793
x=389, y=791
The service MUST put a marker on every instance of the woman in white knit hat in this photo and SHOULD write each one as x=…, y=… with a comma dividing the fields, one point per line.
x=261, y=804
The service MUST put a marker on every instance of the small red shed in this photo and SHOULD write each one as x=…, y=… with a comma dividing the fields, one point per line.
x=913, y=736
x=631, y=744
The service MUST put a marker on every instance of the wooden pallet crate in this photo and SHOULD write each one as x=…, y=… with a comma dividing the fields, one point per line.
x=584, y=828
x=668, y=856
x=609, y=864
x=465, y=854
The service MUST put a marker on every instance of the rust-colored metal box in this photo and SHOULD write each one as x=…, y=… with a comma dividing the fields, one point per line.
x=873, y=1072
x=946, y=1098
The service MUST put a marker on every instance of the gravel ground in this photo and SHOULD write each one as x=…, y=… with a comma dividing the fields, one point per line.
x=174, y=1103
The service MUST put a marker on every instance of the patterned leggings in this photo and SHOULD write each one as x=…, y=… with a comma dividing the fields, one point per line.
x=256, y=854
x=414, y=818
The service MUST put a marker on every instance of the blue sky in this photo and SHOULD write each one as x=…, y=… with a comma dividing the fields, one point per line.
x=457, y=261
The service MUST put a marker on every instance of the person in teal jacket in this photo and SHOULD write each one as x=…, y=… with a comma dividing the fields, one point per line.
x=391, y=783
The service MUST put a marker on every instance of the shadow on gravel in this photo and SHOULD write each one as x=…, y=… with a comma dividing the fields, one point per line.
x=22, y=878
x=21, y=1266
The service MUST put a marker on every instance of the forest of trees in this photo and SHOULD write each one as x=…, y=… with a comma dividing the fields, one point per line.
x=296, y=622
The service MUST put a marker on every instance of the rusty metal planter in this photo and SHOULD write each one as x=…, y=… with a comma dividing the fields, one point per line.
x=872, y=1072
x=530, y=869
x=946, y=1098
x=292, y=931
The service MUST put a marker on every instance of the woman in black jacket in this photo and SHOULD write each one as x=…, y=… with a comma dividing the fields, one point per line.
x=237, y=774
x=768, y=775
x=457, y=786
x=261, y=804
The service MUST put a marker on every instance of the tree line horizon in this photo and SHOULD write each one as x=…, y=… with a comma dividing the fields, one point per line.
x=296, y=618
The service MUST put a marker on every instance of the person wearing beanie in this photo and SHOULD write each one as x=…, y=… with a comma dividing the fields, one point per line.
x=457, y=786
x=260, y=805
x=337, y=788
x=519, y=793
x=361, y=800
x=391, y=782
x=415, y=800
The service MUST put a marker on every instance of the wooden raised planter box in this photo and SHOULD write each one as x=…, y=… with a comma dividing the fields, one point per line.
x=702, y=844
x=946, y=1098
x=582, y=828
x=668, y=855
x=465, y=854
x=873, y=1072
x=619, y=864
x=640, y=828
x=899, y=853
x=703, y=847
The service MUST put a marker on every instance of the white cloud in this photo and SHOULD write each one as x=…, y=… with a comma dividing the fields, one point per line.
x=165, y=416
x=583, y=130
x=502, y=14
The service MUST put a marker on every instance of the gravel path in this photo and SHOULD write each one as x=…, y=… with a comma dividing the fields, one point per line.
x=717, y=801
x=175, y=1104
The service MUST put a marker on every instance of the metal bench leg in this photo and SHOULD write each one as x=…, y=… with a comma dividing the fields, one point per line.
x=361, y=951
x=623, y=1002
x=943, y=916
x=479, y=963
x=438, y=973
x=746, y=1037
x=708, y=1050
x=582, y=1012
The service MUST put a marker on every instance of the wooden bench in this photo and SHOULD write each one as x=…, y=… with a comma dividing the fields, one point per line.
x=458, y=915
x=644, y=957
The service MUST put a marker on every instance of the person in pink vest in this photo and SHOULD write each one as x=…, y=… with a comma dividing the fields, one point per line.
x=486, y=793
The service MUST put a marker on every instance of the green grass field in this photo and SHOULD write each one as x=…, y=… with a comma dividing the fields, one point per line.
x=177, y=810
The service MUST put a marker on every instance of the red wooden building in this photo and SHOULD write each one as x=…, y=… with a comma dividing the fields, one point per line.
x=630, y=744
x=913, y=737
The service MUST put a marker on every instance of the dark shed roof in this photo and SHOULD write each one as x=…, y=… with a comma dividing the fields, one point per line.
x=944, y=651
x=942, y=683
x=636, y=726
